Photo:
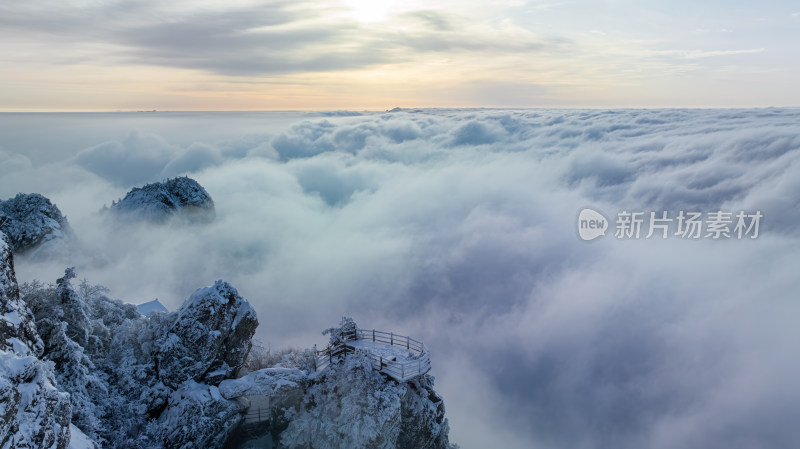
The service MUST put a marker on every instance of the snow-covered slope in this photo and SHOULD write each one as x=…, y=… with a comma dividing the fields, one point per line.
x=33, y=223
x=79, y=440
x=159, y=201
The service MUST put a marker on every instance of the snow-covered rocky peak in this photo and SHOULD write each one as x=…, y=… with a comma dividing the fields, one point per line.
x=209, y=339
x=31, y=221
x=159, y=201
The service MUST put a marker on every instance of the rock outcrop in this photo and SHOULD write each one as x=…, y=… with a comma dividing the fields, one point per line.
x=34, y=414
x=348, y=404
x=198, y=417
x=32, y=222
x=209, y=338
x=352, y=405
x=17, y=327
x=158, y=202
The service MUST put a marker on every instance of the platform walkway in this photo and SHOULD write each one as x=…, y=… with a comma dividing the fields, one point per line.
x=399, y=357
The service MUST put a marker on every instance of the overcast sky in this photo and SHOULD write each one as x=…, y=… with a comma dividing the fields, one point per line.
x=80, y=55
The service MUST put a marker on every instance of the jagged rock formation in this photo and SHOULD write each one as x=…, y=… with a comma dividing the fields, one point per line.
x=166, y=380
x=34, y=413
x=160, y=201
x=112, y=361
x=31, y=222
x=209, y=339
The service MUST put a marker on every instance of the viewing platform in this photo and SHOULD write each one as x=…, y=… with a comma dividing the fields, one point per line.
x=400, y=357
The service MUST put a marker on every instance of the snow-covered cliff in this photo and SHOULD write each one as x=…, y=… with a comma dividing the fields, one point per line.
x=34, y=413
x=348, y=404
x=353, y=405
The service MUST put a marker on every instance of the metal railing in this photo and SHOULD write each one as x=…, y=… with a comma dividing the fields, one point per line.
x=402, y=371
x=257, y=415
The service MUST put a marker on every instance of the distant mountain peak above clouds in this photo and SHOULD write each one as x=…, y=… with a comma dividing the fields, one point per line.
x=153, y=306
x=159, y=201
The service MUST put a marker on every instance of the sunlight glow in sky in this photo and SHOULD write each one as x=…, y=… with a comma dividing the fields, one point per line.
x=360, y=54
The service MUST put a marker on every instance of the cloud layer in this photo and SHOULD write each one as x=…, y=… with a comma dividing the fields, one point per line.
x=458, y=227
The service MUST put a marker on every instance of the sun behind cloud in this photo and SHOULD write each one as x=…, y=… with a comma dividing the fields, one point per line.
x=367, y=11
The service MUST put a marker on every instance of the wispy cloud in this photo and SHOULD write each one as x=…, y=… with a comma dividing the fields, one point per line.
x=696, y=54
x=239, y=55
x=256, y=39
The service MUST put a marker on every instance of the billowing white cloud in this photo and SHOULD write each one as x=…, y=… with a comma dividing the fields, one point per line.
x=136, y=159
x=13, y=163
x=197, y=157
x=458, y=227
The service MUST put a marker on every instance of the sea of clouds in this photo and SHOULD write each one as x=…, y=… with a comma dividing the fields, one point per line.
x=458, y=227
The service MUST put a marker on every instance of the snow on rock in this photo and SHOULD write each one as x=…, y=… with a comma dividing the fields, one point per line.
x=153, y=306
x=34, y=413
x=352, y=405
x=159, y=201
x=79, y=440
x=422, y=421
x=17, y=328
x=34, y=224
x=131, y=378
x=197, y=417
x=267, y=382
x=209, y=338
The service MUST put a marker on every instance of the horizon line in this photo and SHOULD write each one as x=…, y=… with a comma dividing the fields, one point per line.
x=396, y=109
